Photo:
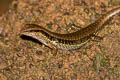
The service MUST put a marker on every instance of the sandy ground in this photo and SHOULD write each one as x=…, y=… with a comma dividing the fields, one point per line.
x=27, y=60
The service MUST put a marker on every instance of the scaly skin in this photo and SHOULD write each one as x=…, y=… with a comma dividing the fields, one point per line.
x=68, y=41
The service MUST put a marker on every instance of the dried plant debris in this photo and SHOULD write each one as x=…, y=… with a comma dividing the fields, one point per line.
x=4, y=5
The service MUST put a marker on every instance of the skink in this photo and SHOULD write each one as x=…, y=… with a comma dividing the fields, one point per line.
x=68, y=41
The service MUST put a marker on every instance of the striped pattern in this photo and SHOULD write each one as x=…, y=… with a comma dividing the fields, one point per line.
x=68, y=41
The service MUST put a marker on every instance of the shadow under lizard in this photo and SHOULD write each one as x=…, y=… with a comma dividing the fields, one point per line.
x=68, y=41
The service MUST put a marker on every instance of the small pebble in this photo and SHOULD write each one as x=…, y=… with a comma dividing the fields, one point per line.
x=39, y=53
x=1, y=30
x=60, y=65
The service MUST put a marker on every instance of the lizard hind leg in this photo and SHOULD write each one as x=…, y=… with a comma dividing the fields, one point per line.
x=96, y=38
x=73, y=25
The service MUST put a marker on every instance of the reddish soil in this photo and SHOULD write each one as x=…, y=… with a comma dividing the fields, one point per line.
x=27, y=60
